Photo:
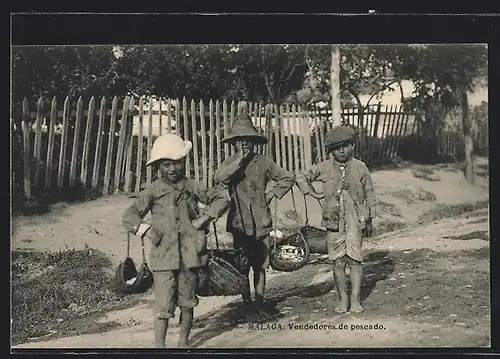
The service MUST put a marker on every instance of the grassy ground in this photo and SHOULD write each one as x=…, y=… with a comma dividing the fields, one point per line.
x=56, y=293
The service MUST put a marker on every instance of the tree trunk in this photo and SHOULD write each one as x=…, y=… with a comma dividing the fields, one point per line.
x=335, y=85
x=469, y=145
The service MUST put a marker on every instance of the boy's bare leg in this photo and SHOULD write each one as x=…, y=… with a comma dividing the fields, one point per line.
x=161, y=326
x=249, y=309
x=259, y=282
x=340, y=282
x=356, y=276
x=186, y=324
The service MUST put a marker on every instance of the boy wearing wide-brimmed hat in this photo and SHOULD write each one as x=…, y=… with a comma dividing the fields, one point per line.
x=247, y=174
x=177, y=232
x=347, y=211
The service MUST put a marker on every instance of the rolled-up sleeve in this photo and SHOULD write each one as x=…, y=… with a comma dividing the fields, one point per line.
x=284, y=180
x=134, y=214
x=227, y=169
x=304, y=179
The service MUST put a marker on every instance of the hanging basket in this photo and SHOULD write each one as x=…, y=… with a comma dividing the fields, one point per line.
x=315, y=237
x=223, y=275
x=129, y=280
x=291, y=254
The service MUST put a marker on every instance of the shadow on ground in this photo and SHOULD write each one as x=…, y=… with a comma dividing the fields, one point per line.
x=377, y=267
x=42, y=201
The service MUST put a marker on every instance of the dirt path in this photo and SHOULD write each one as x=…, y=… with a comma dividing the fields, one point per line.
x=447, y=306
x=427, y=285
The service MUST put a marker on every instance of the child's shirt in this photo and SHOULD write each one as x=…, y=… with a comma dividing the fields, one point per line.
x=359, y=190
x=173, y=207
x=248, y=210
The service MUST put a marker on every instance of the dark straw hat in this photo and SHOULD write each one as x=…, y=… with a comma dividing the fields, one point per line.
x=243, y=127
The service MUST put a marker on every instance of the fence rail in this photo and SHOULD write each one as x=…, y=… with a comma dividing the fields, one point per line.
x=103, y=145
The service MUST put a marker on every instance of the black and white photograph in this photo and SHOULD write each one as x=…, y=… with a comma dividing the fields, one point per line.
x=250, y=196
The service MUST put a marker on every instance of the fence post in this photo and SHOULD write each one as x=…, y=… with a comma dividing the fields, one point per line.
x=50, y=146
x=86, y=142
x=97, y=155
x=64, y=140
x=307, y=138
x=217, y=133
x=211, y=147
x=127, y=148
x=149, y=173
x=111, y=140
x=121, y=143
x=203, y=132
x=196, y=163
x=26, y=150
x=38, y=143
x=140, y=144
x=76, y=142
x=186, y=133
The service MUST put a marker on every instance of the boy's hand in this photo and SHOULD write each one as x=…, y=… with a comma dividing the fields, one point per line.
x=269, y=197
x=316, y=195
x=200, y=222
x=241, y=154
x=368, y=227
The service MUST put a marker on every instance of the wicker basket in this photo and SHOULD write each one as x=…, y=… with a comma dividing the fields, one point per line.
x=223, y=276
x=220, y=278
x=129, y=280
x=316, y=238
x=291, y=254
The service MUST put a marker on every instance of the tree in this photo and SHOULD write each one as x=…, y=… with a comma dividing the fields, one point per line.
x=443, y=76
x=269, y=72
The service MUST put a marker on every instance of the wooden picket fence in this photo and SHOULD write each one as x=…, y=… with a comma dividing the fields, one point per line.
x=104, y=148
x=379, y=131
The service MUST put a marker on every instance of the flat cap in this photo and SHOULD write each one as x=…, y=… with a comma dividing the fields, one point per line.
x=338, y=136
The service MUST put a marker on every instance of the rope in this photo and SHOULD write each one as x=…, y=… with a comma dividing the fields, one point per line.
x=215, y=234
x=128, y=244
x=306, y=211
x=275, y=220
x=143, y=251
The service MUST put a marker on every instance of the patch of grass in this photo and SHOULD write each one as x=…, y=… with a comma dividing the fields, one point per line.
x=425, y=173
x=389, y=208
x=404, y=194
x=389, y=226
x=483, y=235
x=411, y=196
x=450, y=211
x=54, y=291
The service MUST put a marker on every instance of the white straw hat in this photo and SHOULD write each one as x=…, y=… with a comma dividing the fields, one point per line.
x=170, y=147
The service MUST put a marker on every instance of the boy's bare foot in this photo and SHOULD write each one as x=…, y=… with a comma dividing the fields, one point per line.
x=250, y=313
x=342, y=307
x=356, y=307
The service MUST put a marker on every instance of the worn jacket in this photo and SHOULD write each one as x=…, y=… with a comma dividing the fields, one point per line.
x=358, y=183
x=246, y=182
x=172, y=208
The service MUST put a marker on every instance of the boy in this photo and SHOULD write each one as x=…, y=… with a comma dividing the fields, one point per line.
x=246, y=174
x=177, y=231
x=347, y=211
